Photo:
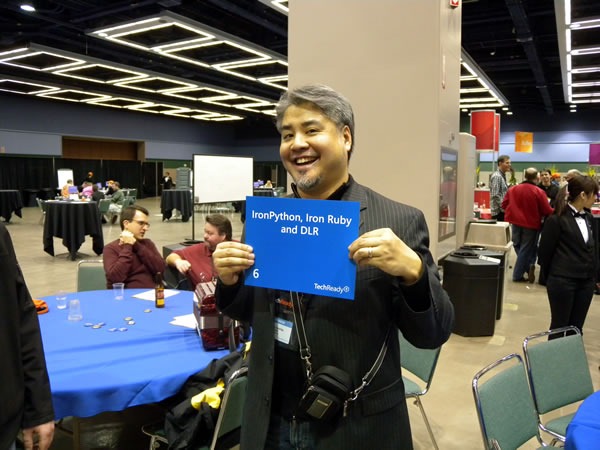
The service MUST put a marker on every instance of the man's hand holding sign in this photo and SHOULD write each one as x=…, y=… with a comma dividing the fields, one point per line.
x=383, y=249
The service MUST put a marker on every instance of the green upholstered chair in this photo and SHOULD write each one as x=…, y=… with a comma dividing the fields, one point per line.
x=559, y=375
x=90, y=275
x=103, y=205
x=505, y=408
x=421, y=363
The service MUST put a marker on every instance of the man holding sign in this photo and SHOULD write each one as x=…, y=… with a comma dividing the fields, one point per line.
x=324, y=371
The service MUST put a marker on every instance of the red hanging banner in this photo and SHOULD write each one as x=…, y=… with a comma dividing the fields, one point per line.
x=485, y=126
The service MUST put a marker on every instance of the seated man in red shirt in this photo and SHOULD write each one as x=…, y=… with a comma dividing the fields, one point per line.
x=132, y=259
x=195, y=262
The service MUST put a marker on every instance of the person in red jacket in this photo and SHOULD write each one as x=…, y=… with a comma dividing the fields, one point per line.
x=525, y=206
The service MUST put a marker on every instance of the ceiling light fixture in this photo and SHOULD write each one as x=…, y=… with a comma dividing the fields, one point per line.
x=199, y=44
x=27, y=7
x=278, y=5
x=474, y=81
x=579, y=65
x=61, y=63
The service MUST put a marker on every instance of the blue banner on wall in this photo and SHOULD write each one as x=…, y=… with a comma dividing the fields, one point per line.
x=302, y=245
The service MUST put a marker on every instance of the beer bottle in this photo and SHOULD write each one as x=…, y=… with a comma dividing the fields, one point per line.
x=159, y=292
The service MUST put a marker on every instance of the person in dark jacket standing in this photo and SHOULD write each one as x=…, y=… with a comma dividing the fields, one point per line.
x=548, y=186
x=167, y=181
x=567, y=253
x=397, y=287
x=25, y=399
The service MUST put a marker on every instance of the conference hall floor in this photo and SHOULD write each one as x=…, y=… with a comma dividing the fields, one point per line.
x=449, y=404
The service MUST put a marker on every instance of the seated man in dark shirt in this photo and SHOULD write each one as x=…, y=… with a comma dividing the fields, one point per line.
x=97, y=194
x=132, y=259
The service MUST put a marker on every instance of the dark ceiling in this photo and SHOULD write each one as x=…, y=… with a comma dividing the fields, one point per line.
x=513, y=41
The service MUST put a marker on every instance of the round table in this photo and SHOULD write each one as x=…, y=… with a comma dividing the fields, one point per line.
x=72, y=221
x=10, y=201
x=583, y=433
x=180, y=199
x=94, y=370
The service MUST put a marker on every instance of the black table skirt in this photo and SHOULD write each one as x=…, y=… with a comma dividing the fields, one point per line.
x=10, y=201
x=180, y=199
x=72, y=221
x=30, y=197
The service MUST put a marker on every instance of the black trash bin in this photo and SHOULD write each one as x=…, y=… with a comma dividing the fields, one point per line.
x=483, y=251
x=472, y=284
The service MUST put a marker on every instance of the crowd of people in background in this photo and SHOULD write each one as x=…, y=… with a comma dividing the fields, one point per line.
x=551, y=224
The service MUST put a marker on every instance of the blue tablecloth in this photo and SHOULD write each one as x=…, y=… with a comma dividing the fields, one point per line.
x=97, y=370
x=583, y=433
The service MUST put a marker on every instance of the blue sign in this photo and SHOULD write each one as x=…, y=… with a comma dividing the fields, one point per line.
x=302, y=245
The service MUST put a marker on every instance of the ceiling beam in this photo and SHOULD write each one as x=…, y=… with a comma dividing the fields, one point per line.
x=526, y=39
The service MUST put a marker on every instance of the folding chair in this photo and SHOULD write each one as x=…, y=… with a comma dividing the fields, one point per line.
x=505, y=408
x=103, y=206
x=559, y=375
x=128, y=201
x=229, y=422
x=421, y=363
x=42, y=205
x=90, y=275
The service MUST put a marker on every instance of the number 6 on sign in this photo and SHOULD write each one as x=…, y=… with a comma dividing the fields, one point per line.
x=255, y=273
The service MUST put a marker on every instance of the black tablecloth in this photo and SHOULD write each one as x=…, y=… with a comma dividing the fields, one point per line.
x=30, y=197
x=180, y=199
x=71, y=221
x=10, y=201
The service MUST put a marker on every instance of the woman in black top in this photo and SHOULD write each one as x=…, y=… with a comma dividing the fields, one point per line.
x=567, y=253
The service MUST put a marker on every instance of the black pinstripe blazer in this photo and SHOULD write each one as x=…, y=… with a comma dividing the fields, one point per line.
x=349, y=335
x=562, y=250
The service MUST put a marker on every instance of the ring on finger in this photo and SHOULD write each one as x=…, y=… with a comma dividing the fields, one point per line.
x=370, y=252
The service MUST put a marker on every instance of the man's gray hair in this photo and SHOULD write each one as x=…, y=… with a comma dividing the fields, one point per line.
x=332, y=104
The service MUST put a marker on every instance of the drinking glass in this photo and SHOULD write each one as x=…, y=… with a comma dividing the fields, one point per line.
x=118, y=290
x=61, y=300
x=75, y=310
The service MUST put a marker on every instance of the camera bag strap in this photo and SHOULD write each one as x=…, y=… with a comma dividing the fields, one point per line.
x=305, y=354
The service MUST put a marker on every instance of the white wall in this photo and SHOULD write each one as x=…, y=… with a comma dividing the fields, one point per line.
x=388, y=58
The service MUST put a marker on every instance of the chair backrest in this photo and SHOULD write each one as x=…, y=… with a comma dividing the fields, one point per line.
x=175, y=280
x=41, y=204
x=90, y=275
x=103, y=205
x=418, y=361
x=558, y=369
x=504, y=405
x=128, y=201
x=230, y=417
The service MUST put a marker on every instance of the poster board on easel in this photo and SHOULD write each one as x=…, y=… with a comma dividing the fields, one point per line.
x=219, y=178
x=63, y=175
